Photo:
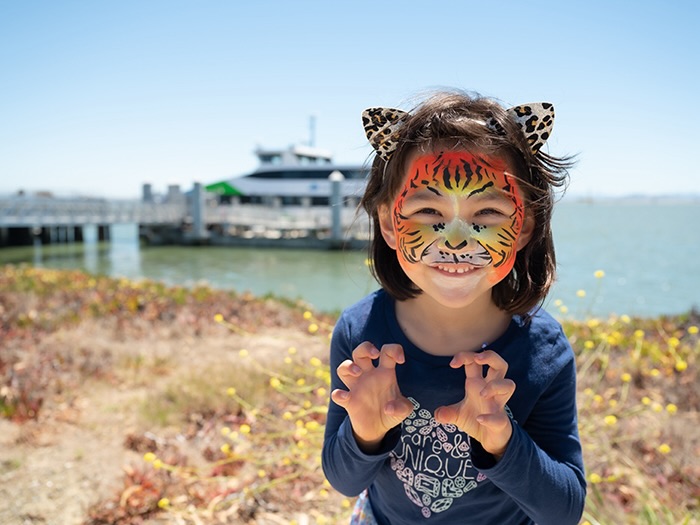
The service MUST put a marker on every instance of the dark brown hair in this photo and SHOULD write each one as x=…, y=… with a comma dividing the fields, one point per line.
x=456, y=119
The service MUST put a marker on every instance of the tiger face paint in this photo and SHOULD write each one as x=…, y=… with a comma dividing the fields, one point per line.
x=457, y=213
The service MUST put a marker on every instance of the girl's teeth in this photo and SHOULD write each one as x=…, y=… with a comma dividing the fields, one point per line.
x=453, y=269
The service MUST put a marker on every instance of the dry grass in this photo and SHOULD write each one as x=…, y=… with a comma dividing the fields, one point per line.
x=237, y=439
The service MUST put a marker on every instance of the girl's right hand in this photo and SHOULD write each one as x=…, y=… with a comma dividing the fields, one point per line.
x=373, y=399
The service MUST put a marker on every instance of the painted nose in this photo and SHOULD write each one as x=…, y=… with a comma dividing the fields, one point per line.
x=458, y=247
x=456, y=235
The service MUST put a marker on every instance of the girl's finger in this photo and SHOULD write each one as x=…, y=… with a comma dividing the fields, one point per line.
x=447, y=415
x=399, y=408
x=467, y=360
x=364, y=354
x=498, y=367
x=341, y=397
x=494, y=422
x=500, y=391
x=348, y=373
x=390, y=355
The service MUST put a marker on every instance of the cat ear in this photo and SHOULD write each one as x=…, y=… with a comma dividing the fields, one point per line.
x=381, y=125
x=536, y=120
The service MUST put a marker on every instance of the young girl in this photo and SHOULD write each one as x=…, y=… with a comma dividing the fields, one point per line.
x=453, y=393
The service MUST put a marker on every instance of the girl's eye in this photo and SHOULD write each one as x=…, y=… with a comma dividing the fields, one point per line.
x=427, y=211
x=489, y=211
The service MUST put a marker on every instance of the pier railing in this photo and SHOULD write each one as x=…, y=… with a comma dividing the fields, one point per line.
x=23, y=219
x=283, y=218
x=48, y=211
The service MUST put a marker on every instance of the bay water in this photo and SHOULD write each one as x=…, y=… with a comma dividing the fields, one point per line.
x=648, y=251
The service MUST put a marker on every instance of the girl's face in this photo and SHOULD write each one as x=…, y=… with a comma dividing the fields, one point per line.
x=457, y=223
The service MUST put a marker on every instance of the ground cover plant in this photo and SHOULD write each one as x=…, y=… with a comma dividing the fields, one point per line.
x=232, y=433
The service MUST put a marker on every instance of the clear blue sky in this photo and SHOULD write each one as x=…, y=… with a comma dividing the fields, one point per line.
x=98, y=97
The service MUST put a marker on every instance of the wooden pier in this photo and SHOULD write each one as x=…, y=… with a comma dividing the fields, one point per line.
x=194, y=218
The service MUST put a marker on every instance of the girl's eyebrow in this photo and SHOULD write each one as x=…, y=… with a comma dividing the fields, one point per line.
x=490, y=196
x=426, y=194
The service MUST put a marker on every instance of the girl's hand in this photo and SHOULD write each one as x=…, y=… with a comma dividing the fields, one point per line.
x=481, y=413
x=373, y=400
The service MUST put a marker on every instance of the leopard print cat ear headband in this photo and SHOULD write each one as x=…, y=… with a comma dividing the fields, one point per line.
x=381, y=124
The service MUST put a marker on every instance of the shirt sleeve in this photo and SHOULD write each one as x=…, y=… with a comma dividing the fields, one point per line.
x=542, y=468
x=348, y=469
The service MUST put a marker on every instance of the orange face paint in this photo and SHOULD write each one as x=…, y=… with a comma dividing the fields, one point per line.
x=459, y=211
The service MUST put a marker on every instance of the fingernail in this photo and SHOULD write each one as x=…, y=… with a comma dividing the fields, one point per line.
x=355, y=369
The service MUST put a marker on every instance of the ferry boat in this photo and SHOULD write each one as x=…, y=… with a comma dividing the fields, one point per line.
x=297, y=176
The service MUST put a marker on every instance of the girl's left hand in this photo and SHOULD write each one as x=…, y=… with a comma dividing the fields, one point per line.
x=481, y=413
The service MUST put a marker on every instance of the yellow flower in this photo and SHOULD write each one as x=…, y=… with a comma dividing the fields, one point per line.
x=564, y=309
x=157, y=463
x=288, y=360
x=692, y=330
x=301, y=381
x=599, y=274
x=664, y=448
x=646, y=401
x=671, y=408
x=595, y=478
x=275, y=383
x=226, y=448
x=612, y=403
x=245, y=429
x=673, y=342
x=581, y=293
x=597, y=398
x=639, y=334
x=589, y=345
x=321, y=392
x=225, y=431
x=626, y=378
x=308, y=315
x=315, y=362
x=610, y=420
x=313, y=328
x=149, y=457
x=312, y=425
x=345, y=503
x=219, y=318
x=656, y=407
x=231, y=391
x=625, y=319
x=558, y=302
x=593, y=322
x=243, y=352
x=261, y=473
x=292, y=350
x=588, y=391
x=654, y=372
x=681, y=365
x=323, y=493
x=163, y=503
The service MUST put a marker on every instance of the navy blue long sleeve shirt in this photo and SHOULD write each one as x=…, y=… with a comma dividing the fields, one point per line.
x=427, y=472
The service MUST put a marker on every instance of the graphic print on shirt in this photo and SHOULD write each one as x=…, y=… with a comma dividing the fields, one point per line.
x=434, y=462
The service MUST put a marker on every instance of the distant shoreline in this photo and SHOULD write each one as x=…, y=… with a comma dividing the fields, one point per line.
x=631, y=199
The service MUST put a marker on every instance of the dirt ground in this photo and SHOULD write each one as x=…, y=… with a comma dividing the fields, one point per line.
x=53, y=469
